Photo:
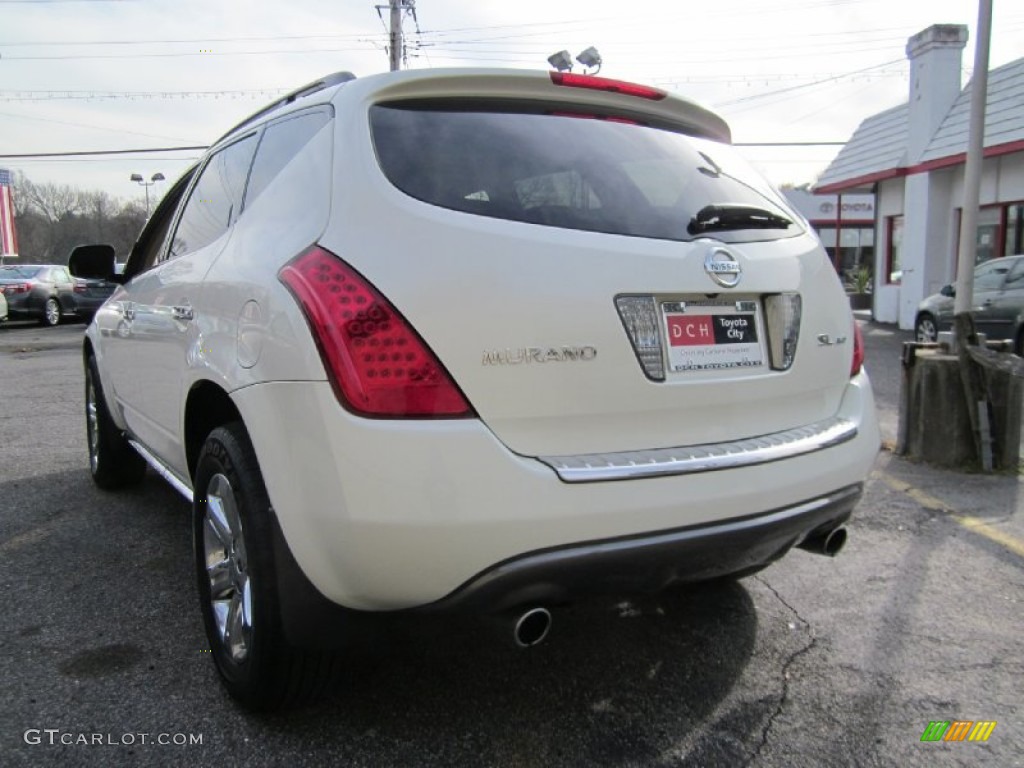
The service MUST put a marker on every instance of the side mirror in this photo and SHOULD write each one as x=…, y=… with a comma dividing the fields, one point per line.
x=948, y=290
x=95, y=262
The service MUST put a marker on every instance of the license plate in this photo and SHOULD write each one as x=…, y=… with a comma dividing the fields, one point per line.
x=710, y=334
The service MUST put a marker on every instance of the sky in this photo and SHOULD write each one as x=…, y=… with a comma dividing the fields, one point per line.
x=85, y=75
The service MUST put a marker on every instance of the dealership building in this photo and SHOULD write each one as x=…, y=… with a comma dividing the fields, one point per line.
x=851, y=216
x=912, y=159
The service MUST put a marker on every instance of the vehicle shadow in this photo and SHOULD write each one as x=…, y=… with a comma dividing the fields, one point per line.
x=616, y=682
x=102, y=633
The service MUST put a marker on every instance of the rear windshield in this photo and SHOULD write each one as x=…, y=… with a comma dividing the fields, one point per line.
x=14, y=272
x=595, y=173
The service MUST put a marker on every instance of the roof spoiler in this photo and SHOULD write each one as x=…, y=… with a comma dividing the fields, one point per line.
x=306, y=90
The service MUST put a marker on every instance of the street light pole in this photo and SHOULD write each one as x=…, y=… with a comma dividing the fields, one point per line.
x=137, y=178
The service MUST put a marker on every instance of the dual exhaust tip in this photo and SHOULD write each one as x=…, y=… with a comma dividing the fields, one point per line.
x=827, y=542
x=533, y=625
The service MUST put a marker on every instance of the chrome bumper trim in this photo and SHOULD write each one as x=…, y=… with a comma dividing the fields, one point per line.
x=593, y=467
x=176, y=482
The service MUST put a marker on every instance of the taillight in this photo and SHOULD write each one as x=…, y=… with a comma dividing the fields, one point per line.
x=858, y=350
x=79, y=288
x=639, y=315
x=610, y=86
x=782, y=314
x=377, y=363
x=18, y=288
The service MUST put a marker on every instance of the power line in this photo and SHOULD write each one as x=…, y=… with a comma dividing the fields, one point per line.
x=181, y=54
x=144, y=151
x=105, y=129
x=251, y=38
x=805, y=85
x=99, y=95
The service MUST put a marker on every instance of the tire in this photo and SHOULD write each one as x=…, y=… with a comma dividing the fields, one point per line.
x=51, y=313
x=237, y=582
x=113, y=463
x=926, y=328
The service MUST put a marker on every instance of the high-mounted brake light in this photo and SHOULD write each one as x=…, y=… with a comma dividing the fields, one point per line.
x=607, y=85
x=858, y=350
x=378, y=364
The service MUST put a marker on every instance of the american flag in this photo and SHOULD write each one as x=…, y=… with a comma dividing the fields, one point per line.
x=8, y=235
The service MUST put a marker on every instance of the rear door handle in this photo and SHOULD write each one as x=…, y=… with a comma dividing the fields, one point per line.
x=183, y=313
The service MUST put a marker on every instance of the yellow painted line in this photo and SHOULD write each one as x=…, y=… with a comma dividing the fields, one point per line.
x=973, y=524
x=976, y=525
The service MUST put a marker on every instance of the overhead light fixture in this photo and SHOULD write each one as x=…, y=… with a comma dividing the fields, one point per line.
x=561, y=61
x=590, y=58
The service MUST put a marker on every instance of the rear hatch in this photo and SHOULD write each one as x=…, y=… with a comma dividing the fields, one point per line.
x=94, y=288
x=596, y=276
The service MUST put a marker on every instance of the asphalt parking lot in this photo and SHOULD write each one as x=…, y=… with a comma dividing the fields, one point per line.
x=813, y=662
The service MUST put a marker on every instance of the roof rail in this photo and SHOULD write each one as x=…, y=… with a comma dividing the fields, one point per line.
x=335, y=78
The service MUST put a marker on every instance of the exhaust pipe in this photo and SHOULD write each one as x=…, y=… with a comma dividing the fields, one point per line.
x=532, y=627
x=827, y=542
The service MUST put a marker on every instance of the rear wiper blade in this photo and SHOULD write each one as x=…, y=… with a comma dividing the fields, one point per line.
x=726, y=216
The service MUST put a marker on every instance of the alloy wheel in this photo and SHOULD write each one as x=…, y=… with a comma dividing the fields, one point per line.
x=52, y=312
x=926, y=330
x=227, y=569
x=92, y=422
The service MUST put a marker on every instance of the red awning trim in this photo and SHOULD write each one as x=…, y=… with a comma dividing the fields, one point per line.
x=932, y=165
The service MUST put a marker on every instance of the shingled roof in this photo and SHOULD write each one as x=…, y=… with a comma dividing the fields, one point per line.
x=878, y=148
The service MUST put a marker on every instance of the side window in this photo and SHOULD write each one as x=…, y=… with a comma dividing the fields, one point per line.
x=280, y=143
x=1015, y=281
x=989, y=276
x=216, y=199
x=62, y=275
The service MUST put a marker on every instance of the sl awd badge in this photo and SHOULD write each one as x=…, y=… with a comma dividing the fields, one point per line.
x=722, y=267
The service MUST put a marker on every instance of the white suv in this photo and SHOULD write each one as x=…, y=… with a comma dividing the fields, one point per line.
x=473, y=339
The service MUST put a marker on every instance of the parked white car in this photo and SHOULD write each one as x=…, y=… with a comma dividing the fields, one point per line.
x=474, y=339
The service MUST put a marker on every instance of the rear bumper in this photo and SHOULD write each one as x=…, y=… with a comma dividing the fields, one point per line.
x=24, y=305
x=652, y=562
x=619, y=567
x=388, y=515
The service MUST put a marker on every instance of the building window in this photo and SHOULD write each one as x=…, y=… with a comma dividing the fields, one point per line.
x=856, y=249
x=894, y=249
x=1014, y=242
x=1000, y=231
x=988, y=234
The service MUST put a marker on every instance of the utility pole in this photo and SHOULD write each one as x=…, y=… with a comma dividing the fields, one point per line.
x=397, y=43
x=396, y=39
x=972, y=172
x=979, y=405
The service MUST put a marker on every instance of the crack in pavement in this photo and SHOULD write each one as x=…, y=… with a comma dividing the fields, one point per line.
x=784, y=697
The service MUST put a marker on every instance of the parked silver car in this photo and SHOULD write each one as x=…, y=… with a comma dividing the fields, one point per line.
x=998, y=304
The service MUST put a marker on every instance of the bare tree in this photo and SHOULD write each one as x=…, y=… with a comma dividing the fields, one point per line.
x=54, y=218
x=52, y=201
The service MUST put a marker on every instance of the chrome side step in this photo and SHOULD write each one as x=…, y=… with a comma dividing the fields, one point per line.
x=176, y=482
